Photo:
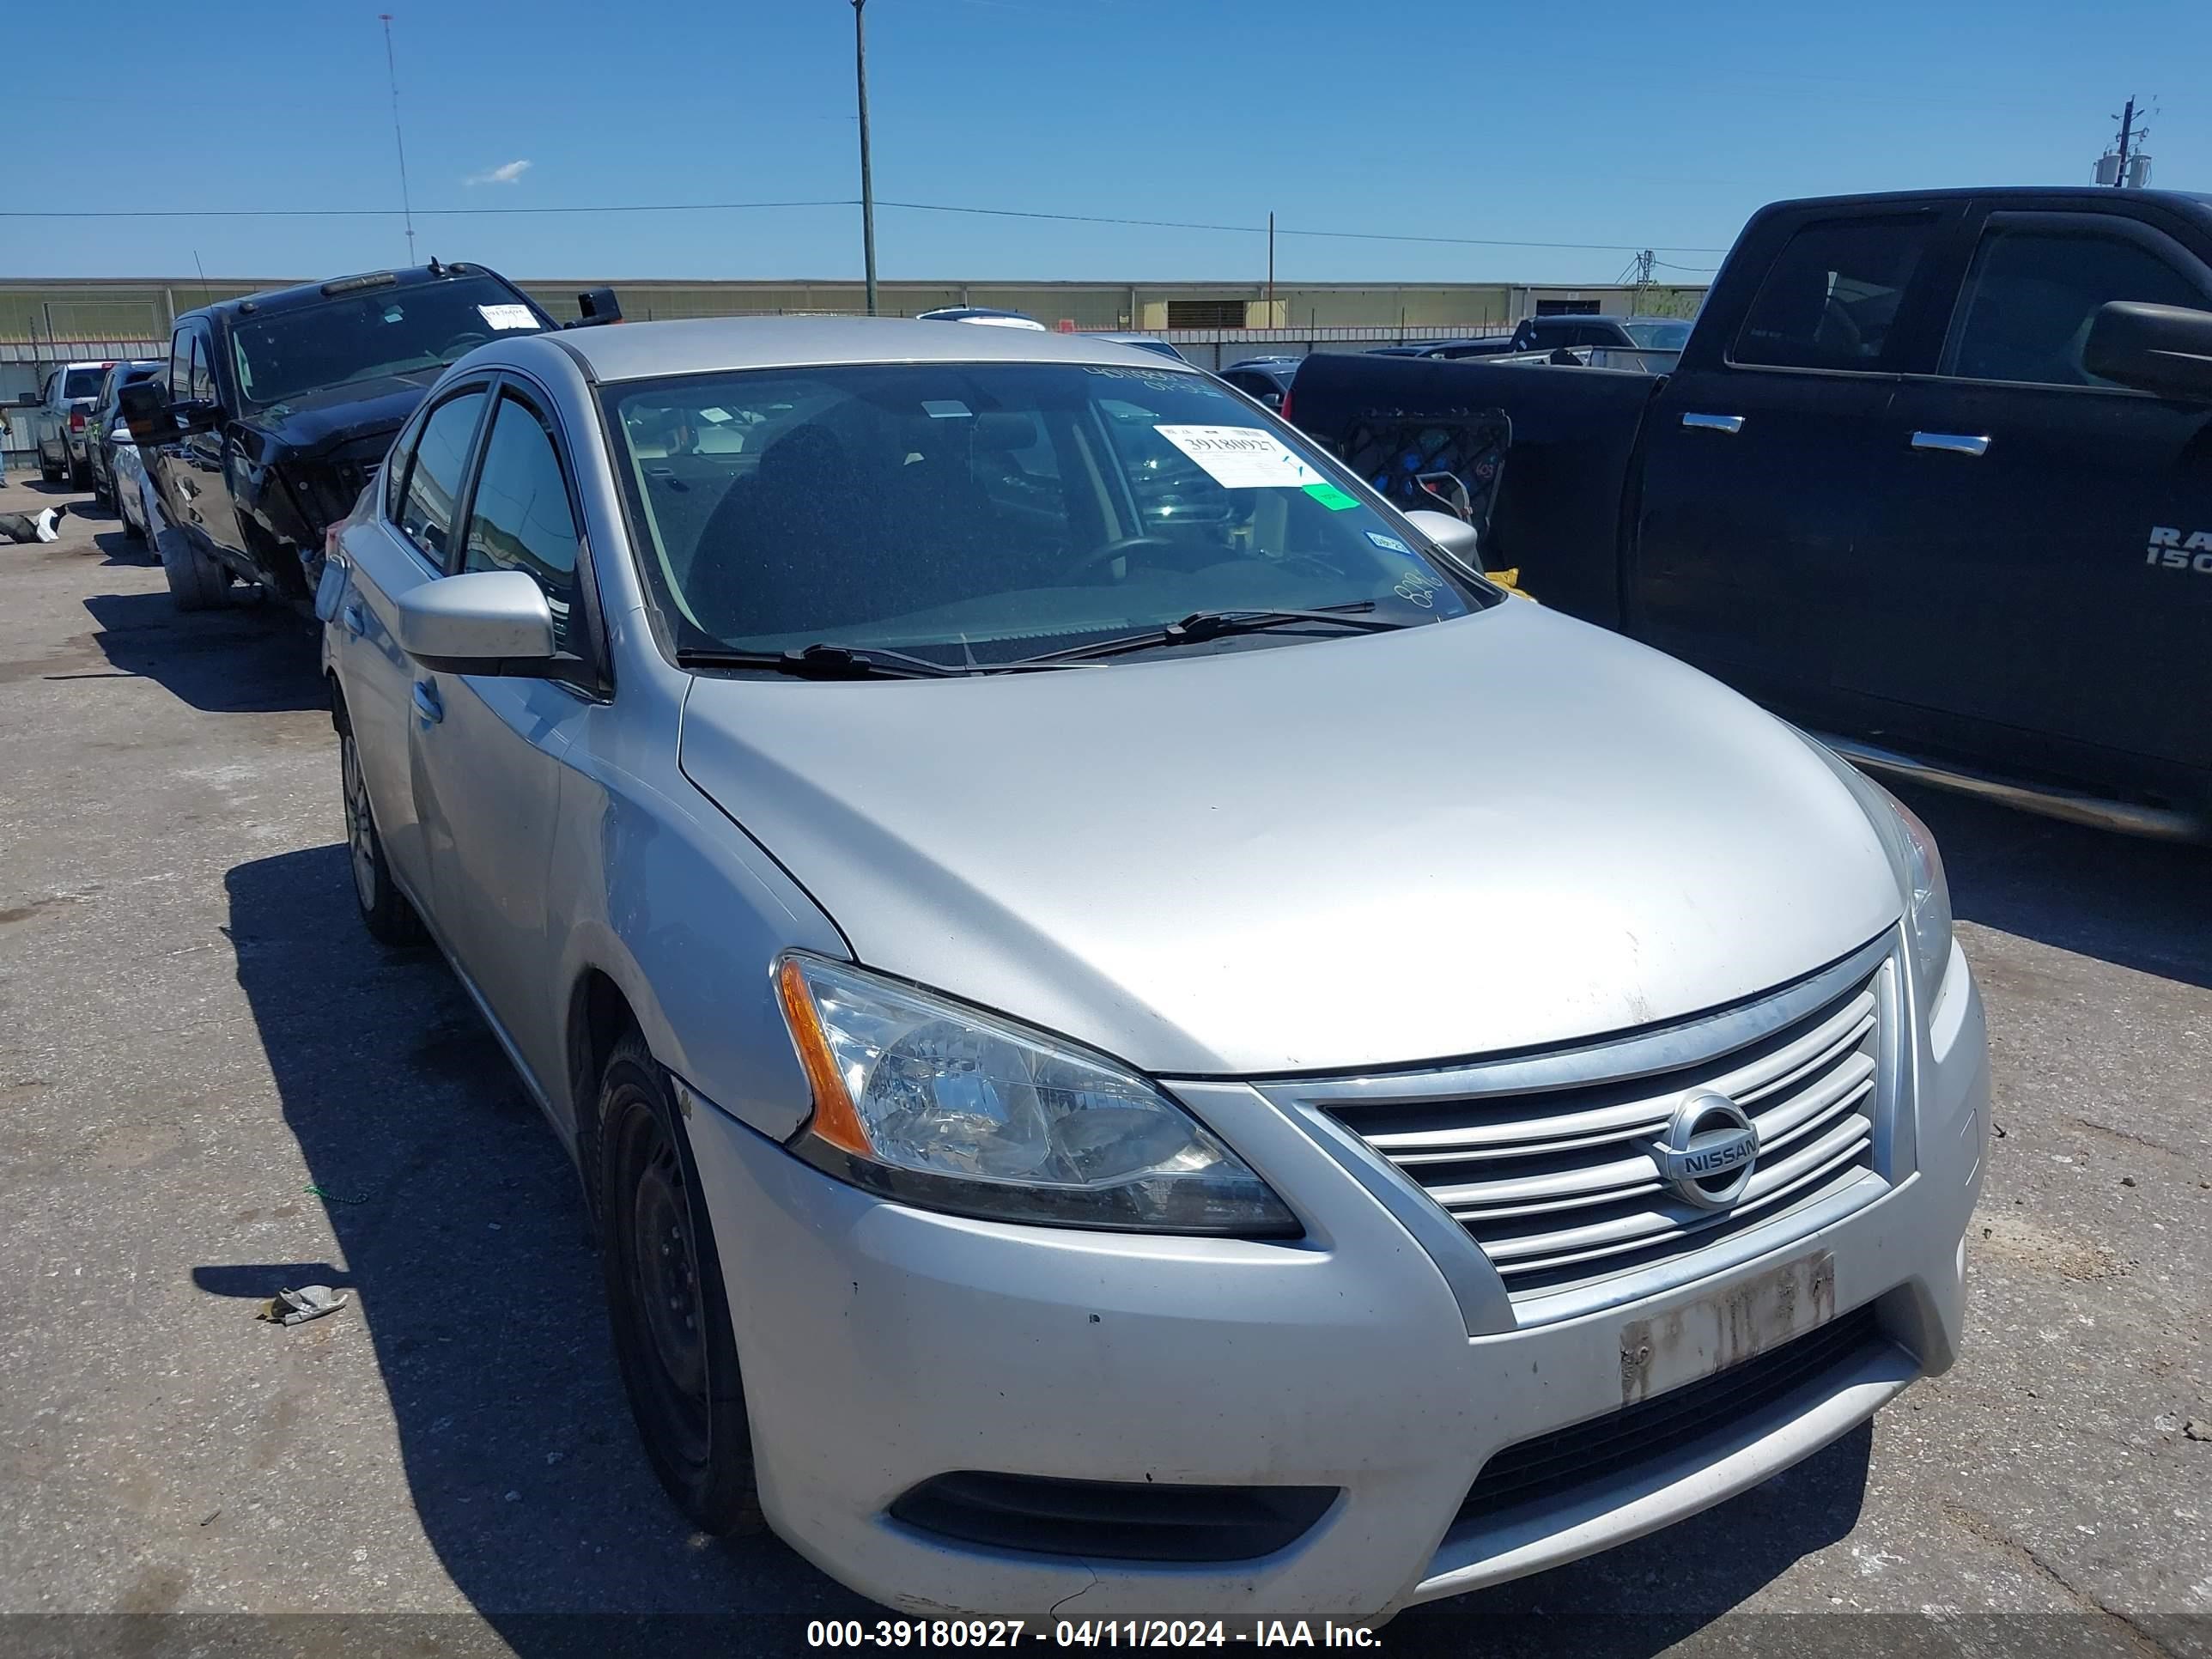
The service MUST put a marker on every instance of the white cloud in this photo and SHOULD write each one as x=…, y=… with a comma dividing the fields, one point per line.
x=508, y=172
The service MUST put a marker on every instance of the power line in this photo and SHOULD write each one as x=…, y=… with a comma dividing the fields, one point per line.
x=839, y=202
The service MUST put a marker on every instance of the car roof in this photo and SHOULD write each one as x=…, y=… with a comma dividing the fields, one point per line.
x=637, y=351
x=2191, y=201
x=302, y=294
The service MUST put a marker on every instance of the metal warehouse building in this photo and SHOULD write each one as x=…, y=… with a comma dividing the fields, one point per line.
x=46, y=320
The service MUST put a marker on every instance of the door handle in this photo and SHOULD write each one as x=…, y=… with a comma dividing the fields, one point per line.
x=427, y=702
x=1730, y=425
x=1951, y=443
x=355, y=623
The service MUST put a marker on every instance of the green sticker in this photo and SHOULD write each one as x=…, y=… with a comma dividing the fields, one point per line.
x=1331, y=498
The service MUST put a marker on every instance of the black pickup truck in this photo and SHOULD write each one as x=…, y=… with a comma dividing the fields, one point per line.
x=279, y=406
x=1933, y=478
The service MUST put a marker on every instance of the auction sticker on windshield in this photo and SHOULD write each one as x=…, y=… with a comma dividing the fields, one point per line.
x=1241, y=456
x=509, y=316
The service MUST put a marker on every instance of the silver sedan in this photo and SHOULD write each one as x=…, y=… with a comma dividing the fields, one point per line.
x=1130, y=1025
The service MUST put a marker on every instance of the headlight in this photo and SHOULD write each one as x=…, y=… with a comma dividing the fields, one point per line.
x=1919, y=868
x=941, y=1106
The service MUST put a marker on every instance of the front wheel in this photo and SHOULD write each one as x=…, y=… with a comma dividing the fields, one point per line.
x=196, y=582
x=385, y=911
x=665, y=1299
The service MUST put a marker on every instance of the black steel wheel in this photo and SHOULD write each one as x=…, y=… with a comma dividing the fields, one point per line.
x=665, y=1302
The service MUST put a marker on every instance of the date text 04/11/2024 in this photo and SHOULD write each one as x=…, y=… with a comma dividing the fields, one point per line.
x=1088, y=1633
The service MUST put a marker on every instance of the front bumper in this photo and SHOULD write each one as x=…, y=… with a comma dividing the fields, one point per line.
x=883, y=1345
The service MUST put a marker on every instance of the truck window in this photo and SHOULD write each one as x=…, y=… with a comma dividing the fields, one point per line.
x=202, y=383
x=2034, y=290
x=1831, y=295
x=180, y=365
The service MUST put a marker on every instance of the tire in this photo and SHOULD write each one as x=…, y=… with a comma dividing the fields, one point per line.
x=385, y=910
x=52, y=475
x=665, y=1302
x=79, y=473
x=196, y=582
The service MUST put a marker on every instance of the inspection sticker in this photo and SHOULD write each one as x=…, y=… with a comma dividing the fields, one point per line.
x=1389, y=544
x=1241, y=456
x=508, y=316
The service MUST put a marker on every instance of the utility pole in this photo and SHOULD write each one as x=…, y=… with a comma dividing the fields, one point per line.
x=1643, y=262
x=2127, y=132
x=867, y=177
x=392, y=76
x=1271, y=271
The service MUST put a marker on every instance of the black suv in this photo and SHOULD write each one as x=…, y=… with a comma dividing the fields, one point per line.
x=281, y=404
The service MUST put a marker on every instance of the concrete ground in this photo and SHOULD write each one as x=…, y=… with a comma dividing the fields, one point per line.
x=214, y=1084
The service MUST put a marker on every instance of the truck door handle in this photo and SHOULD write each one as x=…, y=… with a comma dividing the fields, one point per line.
x=427, y=702
x=1951, y=443
x=1730, y=425
x=355, y=623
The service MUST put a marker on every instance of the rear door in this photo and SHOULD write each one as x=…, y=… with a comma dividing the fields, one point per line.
x=1759, y=450
x=409, y=542
x=491, y=751
x=2017, y=591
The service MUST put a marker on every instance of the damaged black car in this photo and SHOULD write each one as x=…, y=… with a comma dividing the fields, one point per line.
x=279, y=407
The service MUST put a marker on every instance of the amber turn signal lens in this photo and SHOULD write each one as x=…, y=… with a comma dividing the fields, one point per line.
x=834, y=1120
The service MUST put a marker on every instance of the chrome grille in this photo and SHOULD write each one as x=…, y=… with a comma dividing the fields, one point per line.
x=1546, y=1160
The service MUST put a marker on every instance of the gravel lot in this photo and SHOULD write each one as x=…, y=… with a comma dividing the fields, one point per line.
x=215, y=1083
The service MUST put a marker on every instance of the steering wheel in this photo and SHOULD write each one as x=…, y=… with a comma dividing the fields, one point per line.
x=1115, y=549
x=467, y=340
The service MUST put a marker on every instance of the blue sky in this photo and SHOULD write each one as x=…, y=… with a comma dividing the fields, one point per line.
x=1630, y=124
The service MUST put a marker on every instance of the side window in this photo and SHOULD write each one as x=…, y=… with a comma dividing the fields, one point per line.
x=53, y=384
x=2034, y=290
x=395, y=469
x=521, y=519
x=434, y=479
x=180, y=364
x=1832, y=296
x=203, y=379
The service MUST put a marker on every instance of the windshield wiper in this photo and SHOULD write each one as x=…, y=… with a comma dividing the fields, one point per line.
x=1203, y=625
x=824, y=661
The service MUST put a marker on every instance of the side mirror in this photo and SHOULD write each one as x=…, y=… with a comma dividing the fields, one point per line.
x=487, y=621
x=28, y=400
x=598, y=305
x=2163, y=348
x=153, y=419
x=120, y=433
x=1455, y=536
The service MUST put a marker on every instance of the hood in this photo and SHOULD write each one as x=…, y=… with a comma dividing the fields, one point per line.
x=1505, y=831
x=338, y=415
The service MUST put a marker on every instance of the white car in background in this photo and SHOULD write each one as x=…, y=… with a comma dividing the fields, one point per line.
x=130, y=483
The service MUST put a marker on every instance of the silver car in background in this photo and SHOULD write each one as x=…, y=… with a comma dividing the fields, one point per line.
x=1130, y=1027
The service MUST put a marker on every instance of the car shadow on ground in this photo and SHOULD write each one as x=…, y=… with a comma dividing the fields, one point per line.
x=460, y=1230
x=2138, y=904
x=242, y=658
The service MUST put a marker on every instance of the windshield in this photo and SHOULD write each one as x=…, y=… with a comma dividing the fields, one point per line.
x=379, y=330
x=974, y=514
x=83, y=382
x=1669, y=335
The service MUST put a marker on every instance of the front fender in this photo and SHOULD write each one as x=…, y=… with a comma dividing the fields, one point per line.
x=691, y=918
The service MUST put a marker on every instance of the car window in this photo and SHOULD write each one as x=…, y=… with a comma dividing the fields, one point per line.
x=519, y=518
x=2026, y=311
x=978, y=513
x=181, y=363
x=1257, y=385
x=202, y=383
x=1832, y=295
x=83, y=383
x=433, y=473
